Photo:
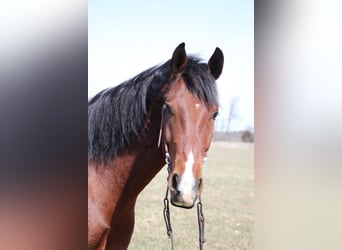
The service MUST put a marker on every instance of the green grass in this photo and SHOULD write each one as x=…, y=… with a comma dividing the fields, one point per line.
x=227, y=205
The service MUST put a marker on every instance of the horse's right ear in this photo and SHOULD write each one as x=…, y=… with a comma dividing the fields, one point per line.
x=179, y=59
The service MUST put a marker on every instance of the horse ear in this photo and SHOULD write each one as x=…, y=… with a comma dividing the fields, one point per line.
x=215, y=64
x=179, y=59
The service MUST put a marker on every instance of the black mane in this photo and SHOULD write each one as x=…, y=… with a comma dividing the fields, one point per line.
x=116, y=115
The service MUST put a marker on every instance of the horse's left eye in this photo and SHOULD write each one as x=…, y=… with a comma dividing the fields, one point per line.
x=166, y=108
x=215, y=114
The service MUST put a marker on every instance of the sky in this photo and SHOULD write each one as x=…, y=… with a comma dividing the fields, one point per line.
x=127, y=37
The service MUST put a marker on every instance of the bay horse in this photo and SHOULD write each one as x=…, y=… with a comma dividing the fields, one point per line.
x=173, y=104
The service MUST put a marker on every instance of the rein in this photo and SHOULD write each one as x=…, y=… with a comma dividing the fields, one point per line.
x=166, y=211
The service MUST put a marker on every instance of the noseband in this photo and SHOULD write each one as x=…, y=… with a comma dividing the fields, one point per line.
x=166, y=211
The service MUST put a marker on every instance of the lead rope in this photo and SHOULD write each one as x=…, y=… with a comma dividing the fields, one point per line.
x=200, y=217
x=167, y=218
x=166, y=211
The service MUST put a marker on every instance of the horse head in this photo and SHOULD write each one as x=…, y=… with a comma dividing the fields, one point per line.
x=188, y=113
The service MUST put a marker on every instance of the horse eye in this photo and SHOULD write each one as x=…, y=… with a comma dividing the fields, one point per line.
x=216, y=113
x=166, y=108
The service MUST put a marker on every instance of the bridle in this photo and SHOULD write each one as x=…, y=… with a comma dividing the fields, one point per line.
x=166, y=211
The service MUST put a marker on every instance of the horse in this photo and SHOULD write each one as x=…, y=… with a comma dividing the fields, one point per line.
x=167, y=109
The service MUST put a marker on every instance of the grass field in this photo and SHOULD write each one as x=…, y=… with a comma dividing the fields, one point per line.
x=227, y=205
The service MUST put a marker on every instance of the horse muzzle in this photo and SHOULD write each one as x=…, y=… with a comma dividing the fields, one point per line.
x=183, y=200
x=184, y=194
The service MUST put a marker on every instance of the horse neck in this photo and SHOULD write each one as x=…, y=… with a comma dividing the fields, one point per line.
x=144, y=159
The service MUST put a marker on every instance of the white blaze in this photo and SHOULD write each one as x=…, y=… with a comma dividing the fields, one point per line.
x=188, y=181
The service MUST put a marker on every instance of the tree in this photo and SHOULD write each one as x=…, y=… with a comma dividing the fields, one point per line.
x=247, y=136
x=233, y=112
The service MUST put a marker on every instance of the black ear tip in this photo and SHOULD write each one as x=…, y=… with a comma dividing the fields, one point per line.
x=218, y=51
x=181, y=46
x=179, y=59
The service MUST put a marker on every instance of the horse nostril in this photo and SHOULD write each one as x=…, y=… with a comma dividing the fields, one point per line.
x=199, y=184
x=175, y=180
